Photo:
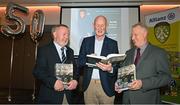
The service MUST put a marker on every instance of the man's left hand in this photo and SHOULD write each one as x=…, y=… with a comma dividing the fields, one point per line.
x=72, y=85
x=104, y=67
x=135, y=85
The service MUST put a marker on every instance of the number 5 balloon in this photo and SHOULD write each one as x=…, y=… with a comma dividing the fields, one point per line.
x=19, y=22
x=11, y=32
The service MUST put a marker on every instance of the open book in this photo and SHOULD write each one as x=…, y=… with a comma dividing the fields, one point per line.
x=112, y=58
x=125, y=76
x=64, y=72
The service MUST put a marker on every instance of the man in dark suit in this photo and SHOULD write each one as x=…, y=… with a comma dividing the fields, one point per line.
x=98, y=83
x=152, y=69
x=52, y=90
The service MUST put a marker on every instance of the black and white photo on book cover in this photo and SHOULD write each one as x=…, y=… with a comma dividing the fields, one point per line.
x=64, y=72
x=92, y=59
x=125, y=76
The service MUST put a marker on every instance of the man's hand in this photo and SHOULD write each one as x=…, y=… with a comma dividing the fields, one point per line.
x=104, y=67
x=72, y=85
x=58, y=86
x=135, y=85
x=117, y=88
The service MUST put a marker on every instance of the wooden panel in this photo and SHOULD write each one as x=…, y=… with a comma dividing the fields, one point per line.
x=5, y=53
x=23, y=61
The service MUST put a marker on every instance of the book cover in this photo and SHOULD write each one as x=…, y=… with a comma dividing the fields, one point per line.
x=112, y=58
x=125, y=76
x=64, y=72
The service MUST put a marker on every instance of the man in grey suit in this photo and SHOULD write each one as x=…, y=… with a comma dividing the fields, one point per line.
x=152, y=69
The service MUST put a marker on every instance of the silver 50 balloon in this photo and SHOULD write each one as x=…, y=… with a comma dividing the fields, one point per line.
x=36, y=26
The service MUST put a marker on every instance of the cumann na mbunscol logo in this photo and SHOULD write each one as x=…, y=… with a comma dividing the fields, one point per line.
x=162, y=31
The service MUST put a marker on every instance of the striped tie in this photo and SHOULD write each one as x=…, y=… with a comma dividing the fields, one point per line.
x=63, y=55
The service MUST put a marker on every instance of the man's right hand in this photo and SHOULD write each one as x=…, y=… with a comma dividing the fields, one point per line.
x=58, y=86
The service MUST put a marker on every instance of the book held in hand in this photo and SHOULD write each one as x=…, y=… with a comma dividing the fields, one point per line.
x=125, y=76
x=111, y=58
x=64, y=72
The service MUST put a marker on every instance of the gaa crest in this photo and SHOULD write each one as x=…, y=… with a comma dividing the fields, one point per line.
x=162, y=31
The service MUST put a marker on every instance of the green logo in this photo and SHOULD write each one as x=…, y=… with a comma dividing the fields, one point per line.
x=162, y=31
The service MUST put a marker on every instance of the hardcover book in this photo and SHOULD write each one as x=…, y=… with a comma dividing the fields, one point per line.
x=64, y=72
x=111, y=58
x=125, y=76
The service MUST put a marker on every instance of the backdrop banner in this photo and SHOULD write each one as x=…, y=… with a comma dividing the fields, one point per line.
x=164, y=31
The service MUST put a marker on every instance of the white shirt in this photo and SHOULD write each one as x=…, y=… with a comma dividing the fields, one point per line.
x=58, y=48
x=97, y=50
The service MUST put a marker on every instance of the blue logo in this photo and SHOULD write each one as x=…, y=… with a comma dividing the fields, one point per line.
x=171, y=16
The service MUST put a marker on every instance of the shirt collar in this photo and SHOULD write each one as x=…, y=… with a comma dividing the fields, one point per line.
x=58, y=46
x=99, y=40
x=143, y=47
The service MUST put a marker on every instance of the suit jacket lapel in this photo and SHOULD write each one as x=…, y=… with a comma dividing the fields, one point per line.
x=132, y=56
x=55, y=53
x=103, y=51
x=92, y=42
x=68, y=53
x=145, y=54
x=90, y=50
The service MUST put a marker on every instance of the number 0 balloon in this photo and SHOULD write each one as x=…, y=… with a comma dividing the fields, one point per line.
x=36, y=32
x=37, y=25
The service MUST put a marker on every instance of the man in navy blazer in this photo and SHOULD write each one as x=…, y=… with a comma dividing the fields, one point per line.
x=52, y=90
x=98, y=82
x=152, y=69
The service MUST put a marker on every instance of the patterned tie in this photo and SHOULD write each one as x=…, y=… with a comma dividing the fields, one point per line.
x=63, y=55
x=137, y=56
